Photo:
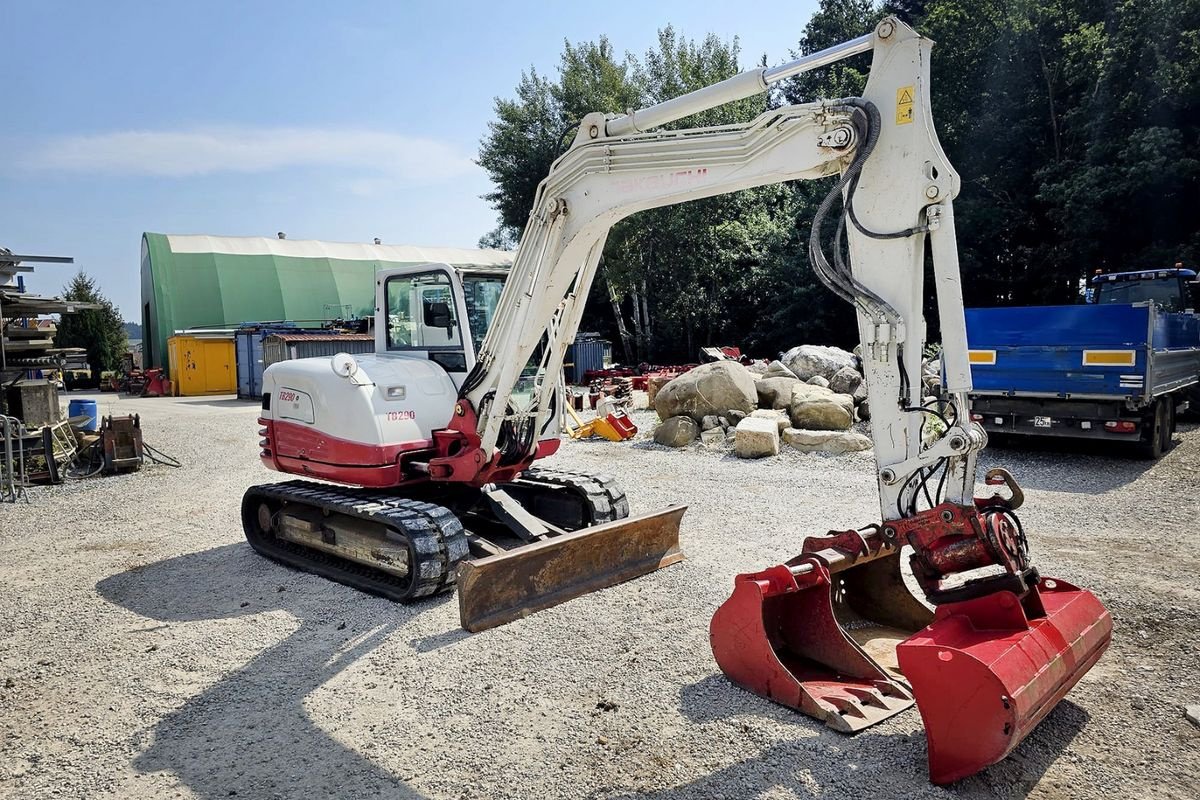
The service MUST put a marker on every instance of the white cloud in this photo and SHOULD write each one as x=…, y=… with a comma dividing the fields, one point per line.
x=205, y=151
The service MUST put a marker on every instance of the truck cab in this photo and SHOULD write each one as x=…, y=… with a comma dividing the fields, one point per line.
x=1174, y=290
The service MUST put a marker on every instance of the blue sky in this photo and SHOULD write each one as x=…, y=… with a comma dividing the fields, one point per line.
x=339, y=121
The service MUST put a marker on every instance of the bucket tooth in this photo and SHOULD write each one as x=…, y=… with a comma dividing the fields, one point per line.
x=988, y=670
x=501, y=588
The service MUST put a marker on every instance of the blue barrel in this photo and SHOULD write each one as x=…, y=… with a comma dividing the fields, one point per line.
x=82, y=406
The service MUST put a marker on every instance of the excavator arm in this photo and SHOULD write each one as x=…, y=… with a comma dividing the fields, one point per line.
x=835, y=632
x=898, y=189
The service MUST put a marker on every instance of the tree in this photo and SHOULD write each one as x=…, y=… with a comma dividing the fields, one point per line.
x=1074, y=125
x=100, y=331
x=672, y=275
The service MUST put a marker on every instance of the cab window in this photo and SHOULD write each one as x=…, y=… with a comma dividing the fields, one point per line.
x=421, y=313
x=1167, y=292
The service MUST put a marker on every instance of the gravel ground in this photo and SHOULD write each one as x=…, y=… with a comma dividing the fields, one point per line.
x=146, y=651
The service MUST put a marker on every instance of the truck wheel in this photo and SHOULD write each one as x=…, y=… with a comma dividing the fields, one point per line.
x=1153, y=438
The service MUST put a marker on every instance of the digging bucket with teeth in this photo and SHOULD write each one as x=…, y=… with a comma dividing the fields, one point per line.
x=837, y=634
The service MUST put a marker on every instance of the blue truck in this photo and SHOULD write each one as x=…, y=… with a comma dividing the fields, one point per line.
x=1120, y=367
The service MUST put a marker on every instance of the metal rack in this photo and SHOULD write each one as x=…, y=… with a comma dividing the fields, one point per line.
x=13, y=478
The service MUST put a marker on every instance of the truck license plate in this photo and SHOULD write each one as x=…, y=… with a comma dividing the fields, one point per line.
x=1042, y=422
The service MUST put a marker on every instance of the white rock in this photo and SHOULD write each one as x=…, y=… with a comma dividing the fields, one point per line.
x=817, y=408
x=777, y=369
x=826, y=441
x=780, y=418
x=818, y=380
x=1193, y=714
x=846, y=380
x=712, y=436
x=717, y=389
x=709, y=422
x=756, y=437
x=812, y=359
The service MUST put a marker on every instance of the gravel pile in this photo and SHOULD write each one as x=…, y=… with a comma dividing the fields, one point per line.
x=146, y=651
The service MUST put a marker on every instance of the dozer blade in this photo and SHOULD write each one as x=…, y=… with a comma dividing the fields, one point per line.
x=778, y=636
x=514, y=584
x=987, y=670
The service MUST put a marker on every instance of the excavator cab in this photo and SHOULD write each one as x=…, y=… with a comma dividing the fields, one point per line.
x=511, y=545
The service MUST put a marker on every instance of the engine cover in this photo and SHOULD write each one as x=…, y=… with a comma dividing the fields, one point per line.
x=352, y=429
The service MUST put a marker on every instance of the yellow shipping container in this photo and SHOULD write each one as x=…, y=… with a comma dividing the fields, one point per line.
x=201, y=365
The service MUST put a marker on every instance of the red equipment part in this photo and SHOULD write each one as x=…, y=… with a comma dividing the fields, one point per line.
x=156, y=384
x=835, y=633
x=995, y=666
x=622, y=424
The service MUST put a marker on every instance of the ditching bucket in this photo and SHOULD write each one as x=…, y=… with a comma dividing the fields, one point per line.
x=498, y=589
x=987, y=670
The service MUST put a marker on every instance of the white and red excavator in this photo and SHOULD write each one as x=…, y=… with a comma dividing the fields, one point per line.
x=440, y=430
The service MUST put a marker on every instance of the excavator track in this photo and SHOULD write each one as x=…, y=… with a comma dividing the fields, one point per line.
x=602, y=496
x=433, y=536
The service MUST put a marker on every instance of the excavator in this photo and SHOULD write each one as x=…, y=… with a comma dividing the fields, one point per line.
x=439, y=431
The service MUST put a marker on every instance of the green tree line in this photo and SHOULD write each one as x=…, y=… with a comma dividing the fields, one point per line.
x=1075, y=125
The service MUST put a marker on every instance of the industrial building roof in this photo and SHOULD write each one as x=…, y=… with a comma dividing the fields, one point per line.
x=194, y=281
x=345, y=251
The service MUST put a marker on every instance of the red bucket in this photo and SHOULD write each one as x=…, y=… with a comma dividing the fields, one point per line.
x=986, y=671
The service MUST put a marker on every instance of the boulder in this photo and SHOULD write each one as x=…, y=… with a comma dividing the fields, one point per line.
x=678, y=431
x=735, y=416
x=709, y=422
x=756, y=368
x=777, y=370
x=775, y=392
x=864, y=410
x=818, y=380
x=860, y=394
x=780, y=418
x=808, y=441
x=712, y=436
x=813, y=359
x=719, y=389
x=846, y=380
x=755, y=438
x=654, y=383
x=817, y=408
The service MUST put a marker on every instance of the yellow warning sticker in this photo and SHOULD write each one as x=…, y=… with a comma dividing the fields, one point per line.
x=904, y=104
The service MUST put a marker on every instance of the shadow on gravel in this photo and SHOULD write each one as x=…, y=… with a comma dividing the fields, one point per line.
x=1074, y=466
x=873, y=764
x=249, y=734
x=233, y=402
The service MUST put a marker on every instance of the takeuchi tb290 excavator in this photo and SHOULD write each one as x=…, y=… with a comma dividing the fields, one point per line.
x=441, y=428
